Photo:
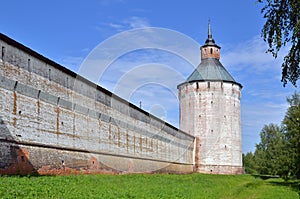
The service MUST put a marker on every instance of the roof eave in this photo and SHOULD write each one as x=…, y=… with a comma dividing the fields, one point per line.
x=227, y=81
x=212, y=45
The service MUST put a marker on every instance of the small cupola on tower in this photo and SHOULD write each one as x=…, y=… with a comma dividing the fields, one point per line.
x=210, y=49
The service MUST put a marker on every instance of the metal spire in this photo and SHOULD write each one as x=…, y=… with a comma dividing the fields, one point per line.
x=209, y=39
x=209, y=29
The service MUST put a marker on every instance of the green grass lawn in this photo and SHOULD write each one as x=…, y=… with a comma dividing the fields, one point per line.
x=146, y=186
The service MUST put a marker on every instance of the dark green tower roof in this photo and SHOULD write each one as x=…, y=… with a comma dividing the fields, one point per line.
x=210, y=69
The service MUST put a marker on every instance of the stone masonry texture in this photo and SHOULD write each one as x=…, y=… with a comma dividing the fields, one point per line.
x=210, y=111
x=55, y=122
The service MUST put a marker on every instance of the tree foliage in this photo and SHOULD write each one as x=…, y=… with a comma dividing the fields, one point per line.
x=291, y=126
x=278, y=152
x=271, y=154
x=282, y=27
x=249, y=163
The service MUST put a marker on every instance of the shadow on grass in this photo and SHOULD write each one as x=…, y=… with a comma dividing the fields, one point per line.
x=265, y=177
x=277, y=181
x=294, y=184
x=22, y=176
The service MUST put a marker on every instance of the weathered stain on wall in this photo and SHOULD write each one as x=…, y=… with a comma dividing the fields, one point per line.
x=56, y=122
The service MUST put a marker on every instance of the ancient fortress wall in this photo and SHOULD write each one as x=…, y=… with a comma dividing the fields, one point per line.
x=54, y=122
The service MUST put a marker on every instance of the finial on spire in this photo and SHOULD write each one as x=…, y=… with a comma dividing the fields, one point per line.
x=209, y=29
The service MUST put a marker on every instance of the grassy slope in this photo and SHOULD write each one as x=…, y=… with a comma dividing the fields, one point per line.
x=145, y=186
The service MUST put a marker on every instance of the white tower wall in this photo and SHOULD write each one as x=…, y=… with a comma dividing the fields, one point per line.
x=211, y=112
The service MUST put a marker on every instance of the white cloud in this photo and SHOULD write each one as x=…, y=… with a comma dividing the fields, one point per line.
x=116, y=26
x=250, y=56
x=85, y=50
x=124, y=24
x=136, y=22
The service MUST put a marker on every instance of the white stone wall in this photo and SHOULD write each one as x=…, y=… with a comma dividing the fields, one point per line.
x=210, y=111
x=46, y=108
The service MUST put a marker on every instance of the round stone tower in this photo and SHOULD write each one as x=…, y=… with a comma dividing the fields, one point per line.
x=210, y=110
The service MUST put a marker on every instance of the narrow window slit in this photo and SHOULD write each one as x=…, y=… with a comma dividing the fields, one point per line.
x=49, y=74
x=3, y=53
x=29, y=65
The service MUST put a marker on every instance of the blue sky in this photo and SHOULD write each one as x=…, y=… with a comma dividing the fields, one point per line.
x=68, y=31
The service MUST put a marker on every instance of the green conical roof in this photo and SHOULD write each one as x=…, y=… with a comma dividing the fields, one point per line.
x=210, y=69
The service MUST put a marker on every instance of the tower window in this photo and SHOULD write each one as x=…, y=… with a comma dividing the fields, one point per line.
x=211, y=51
x=3, y=53
x=29, y=65
x=22, y=158
x=49, y=74
x=197, y=85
